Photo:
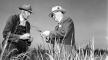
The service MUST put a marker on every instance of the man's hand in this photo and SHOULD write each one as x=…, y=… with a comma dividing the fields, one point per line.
x=25, y=36
x=45, y=33
x=31, y=39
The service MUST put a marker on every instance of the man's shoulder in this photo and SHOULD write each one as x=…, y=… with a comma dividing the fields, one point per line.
x=14, y=15
x=13, y=19
x=68, y=19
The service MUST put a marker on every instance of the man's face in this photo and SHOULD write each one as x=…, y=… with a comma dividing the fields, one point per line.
x=26, y=14
x=58, y=16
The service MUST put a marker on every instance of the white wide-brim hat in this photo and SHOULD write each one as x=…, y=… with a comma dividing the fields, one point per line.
x=56, y=9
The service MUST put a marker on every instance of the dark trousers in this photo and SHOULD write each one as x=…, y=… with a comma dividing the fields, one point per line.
x=20, y=46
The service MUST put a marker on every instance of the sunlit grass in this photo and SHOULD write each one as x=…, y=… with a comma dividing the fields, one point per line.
x=41, y=53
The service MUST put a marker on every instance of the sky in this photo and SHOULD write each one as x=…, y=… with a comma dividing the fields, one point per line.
x=89, y=16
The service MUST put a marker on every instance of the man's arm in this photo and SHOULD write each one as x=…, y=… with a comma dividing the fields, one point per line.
x=70, y=30
x=62, y=33
x=8, y=27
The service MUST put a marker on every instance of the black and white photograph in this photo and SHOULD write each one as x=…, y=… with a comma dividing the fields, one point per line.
x=53, y=30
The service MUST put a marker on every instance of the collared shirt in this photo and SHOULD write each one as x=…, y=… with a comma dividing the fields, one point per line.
x=22, y=20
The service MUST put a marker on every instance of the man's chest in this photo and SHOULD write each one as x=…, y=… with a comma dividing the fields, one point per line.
x=60, y=27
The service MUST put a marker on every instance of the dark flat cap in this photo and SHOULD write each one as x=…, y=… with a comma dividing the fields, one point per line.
x=26, y=7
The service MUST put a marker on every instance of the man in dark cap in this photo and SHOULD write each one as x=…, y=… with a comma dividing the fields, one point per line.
x=64, y=33
x=17, y=30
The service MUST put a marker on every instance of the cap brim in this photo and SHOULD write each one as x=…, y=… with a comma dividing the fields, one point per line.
x=25, y=9
x=51, y=14
x=63, y=11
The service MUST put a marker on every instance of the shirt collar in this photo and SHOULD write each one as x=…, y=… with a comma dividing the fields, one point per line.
x=63, y=20
x=21, y=18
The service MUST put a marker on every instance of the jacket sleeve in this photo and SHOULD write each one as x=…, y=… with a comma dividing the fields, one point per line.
x=8, y=27
x=56, y=34
x=70, y=30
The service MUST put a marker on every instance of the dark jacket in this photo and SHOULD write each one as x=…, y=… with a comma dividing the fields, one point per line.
x=65, y=33
x=12, y=24
x=13, y=27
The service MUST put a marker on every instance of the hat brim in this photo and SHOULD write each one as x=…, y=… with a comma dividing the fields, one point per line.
x=51, y=14
x=25, y=9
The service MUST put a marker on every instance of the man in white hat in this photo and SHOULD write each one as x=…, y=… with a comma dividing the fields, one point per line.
x=64, y=32
x=17, y=30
